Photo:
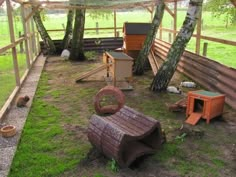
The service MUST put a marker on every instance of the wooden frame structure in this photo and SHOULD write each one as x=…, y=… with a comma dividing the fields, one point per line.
x=30, y=38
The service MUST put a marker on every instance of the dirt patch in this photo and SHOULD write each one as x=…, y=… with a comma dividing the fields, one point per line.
x=201, y=150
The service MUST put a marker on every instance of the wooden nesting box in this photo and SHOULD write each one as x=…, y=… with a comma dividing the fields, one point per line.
x=134, y=35
x=119, y=66
x=204, y=104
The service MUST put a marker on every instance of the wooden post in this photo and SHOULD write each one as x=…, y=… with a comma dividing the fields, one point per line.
x=25, y=35
x=170, y=38
x=151, y=12
x=202, y=24
x=160, y=33
x=97, y=26
x=33, y=37
x=115, y=34
x=198, y=36
x=38, y=43
x=12, y=36
x=204, y=53
x=21, y=44
x=30, y=37
x=175, y=19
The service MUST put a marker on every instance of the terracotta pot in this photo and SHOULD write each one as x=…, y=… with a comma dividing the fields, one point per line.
x=8, y=131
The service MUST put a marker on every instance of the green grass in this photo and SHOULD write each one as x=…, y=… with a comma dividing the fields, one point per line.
x=188, y=163
x=46, y=148
x=7, y=75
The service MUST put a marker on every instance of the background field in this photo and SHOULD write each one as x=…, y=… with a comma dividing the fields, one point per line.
x=214, y=27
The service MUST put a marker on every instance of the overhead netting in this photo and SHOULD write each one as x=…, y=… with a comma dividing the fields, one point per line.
x=96, y=4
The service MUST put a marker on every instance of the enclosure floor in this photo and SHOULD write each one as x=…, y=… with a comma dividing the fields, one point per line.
x=17, y=117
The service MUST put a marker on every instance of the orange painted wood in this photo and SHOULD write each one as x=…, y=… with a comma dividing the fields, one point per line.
x=208, y=104
x=194, y=118
x=134, y=42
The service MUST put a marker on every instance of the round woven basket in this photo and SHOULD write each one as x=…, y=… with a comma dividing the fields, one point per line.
x=8, y=131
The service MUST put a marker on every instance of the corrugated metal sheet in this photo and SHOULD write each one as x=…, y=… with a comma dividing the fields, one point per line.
x=208, y=73
x=95, y=44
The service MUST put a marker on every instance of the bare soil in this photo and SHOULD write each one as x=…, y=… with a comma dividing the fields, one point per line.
x=201, y=150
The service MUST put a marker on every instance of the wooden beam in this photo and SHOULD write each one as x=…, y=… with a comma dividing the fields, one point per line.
x=198, y=36
x=222, y=41
x=115, y=23
x=12, y=36
x=7, y=104
x=31, y=13
x=25, y=34
x=169, y=11
x=29, y=34
x=175, y=18
x=66, y=5
x=160, y=29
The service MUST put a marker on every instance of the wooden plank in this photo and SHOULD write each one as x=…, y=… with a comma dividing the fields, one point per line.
x=152, y=62
x=98, y=69
x=223, y=41
x=31, y=13
x=115, y=23
x=5, y=48
x=169, y=11
x=175, y=18
x=25, y=34
x=7, y=104
x=12, y=36
x=198, y=36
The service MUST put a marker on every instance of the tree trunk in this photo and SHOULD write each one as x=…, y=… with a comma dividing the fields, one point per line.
x=68, y=32
x=143, y=54
x=43, y=33
x=166, y=71
x=77, y=51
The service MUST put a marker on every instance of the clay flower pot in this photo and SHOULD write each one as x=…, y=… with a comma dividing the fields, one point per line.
x=8, y=131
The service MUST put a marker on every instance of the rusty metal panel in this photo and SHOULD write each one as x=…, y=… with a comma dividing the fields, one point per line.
x=206, y=72
x=125, y=135
x=92, y=44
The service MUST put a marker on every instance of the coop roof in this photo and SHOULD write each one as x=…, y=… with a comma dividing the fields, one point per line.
x=136, y=28
x=91, y=4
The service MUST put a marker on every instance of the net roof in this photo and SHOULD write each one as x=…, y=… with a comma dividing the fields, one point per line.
x=92, y=4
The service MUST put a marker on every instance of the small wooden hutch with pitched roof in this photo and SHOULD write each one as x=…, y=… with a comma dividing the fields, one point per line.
x=134, y=35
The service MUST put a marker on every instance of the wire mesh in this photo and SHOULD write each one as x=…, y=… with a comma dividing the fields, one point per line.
x=7, y=76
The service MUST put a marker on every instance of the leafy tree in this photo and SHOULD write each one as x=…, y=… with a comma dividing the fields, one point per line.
x=43, y=33
x=77, y=51
x=143, y=54
x=69, y=28
x=222, y=7
x=167, y=69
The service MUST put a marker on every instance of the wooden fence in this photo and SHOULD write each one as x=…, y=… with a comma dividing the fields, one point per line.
x=29, y=42
x=208, y=73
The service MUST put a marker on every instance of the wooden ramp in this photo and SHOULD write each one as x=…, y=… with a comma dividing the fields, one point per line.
x=194, y=118
x=96, y=70
x=153, y=62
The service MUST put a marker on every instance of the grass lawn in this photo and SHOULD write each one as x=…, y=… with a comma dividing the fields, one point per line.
x=7, y=75
x=54, y=140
